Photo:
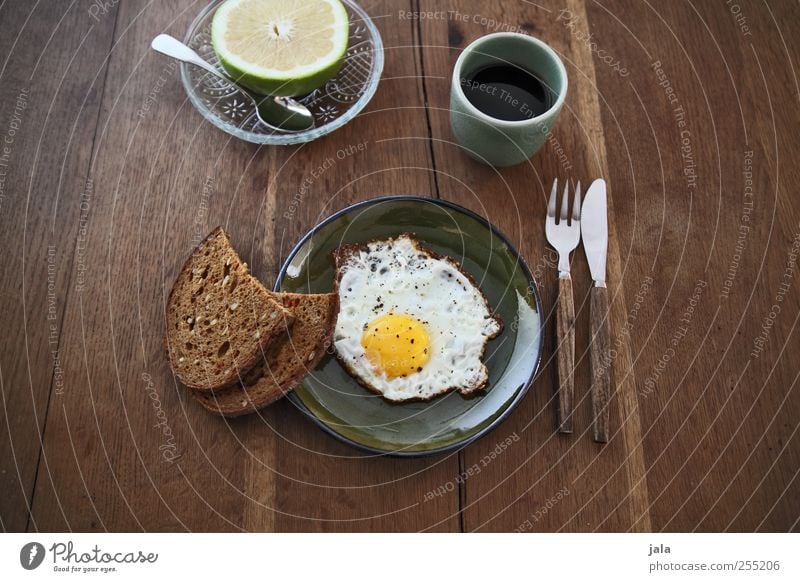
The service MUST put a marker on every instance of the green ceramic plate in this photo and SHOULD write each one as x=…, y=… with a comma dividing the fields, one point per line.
x=341, y=407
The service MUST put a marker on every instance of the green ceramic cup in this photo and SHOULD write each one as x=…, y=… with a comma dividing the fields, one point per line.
x=495, y=141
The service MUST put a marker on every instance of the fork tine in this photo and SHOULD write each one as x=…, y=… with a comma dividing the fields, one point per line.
x=551, y=204
x=576, y=206
x=565, y=203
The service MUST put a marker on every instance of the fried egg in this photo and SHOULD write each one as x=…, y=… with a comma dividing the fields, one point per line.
x=412, y=325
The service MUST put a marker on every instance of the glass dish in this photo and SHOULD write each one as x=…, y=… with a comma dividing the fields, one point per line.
x=333, y=104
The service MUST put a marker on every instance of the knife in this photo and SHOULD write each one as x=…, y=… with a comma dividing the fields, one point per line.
x=594, y=233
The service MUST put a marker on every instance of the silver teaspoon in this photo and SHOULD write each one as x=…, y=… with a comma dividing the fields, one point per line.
x=278, y=113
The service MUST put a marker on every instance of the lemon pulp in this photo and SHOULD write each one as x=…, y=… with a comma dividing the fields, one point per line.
x=280, y=47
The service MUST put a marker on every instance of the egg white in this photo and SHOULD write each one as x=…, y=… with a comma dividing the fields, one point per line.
x=398, y=276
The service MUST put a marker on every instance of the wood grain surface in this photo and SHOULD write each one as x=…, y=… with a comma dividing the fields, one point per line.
x=600, y=360
x=108, y=177
x=565, y=353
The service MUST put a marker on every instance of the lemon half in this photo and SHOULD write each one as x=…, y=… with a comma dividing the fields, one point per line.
x=280, y=47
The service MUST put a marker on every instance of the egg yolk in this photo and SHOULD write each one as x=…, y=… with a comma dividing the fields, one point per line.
x=398, y=345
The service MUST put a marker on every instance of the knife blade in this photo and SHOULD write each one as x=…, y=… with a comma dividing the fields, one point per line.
x=594, y=230
x=594, y=233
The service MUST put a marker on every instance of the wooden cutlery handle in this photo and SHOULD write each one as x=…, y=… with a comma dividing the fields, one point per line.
x=565, y=348
x=601, y=377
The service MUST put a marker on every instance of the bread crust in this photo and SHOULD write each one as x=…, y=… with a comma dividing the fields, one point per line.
x=178, y=286
x=341, y=254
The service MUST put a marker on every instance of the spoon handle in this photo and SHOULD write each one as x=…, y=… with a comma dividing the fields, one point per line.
x=293, y=116
x=172, y=47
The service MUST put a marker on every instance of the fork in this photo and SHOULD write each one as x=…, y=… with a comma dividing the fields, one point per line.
x=563, y=236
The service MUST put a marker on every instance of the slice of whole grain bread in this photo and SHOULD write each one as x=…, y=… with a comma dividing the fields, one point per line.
x=287, y=360
x=219, y=317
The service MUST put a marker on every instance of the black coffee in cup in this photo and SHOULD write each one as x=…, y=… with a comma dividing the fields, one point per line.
x=508, y=92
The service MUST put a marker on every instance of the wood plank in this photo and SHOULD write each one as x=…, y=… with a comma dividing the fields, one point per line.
x=157, y=178
x=713, y=415
x=52, y=74
x=547, y=481
x=704, y=423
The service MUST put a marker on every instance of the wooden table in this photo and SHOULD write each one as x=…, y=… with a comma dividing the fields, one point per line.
x=688, y=109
